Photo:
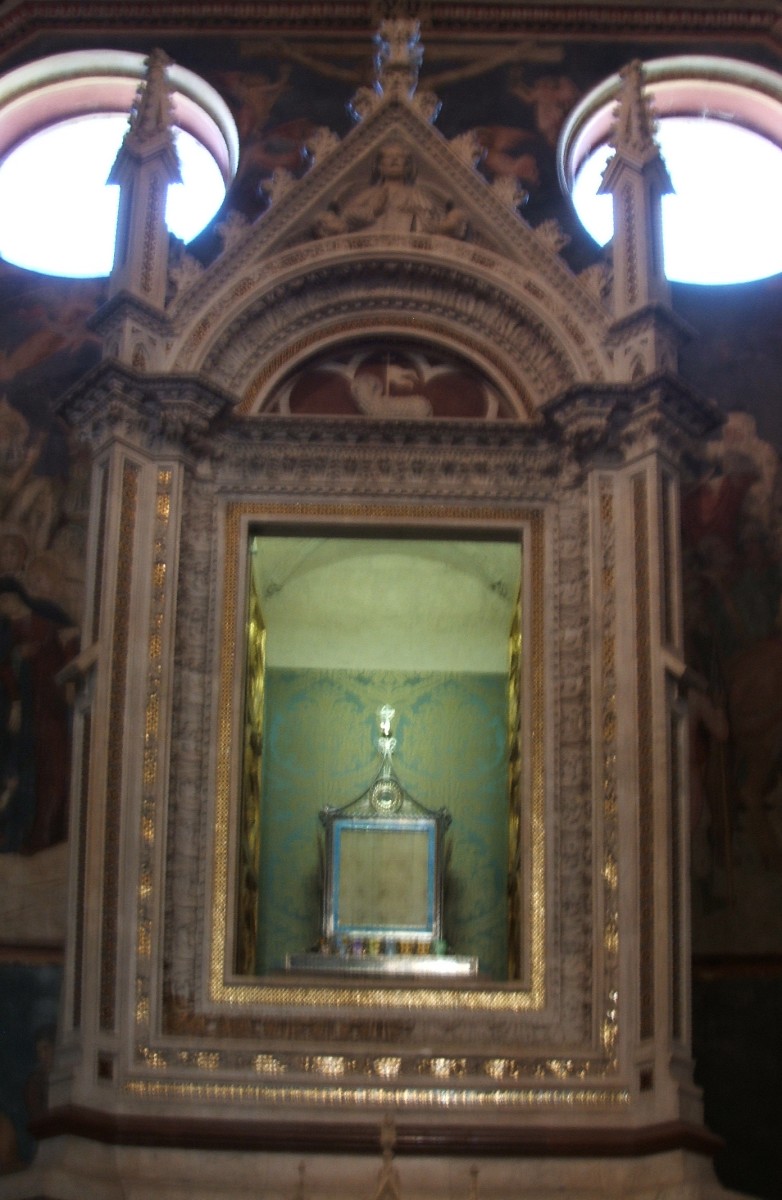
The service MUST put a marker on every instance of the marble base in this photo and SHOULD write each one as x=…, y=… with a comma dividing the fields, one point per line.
x=413, y=966
x=70, y=1168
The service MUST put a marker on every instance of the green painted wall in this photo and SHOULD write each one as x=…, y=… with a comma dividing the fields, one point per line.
x=320, y=730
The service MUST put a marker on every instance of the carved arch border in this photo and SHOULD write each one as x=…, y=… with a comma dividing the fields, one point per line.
x=512, y=322
x=340, y=333
x=223, y=986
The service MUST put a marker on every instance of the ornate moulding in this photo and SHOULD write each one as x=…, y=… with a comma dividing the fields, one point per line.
x=203, y=473
x=397, y=296
x=225, y=1006
x=25, y=19
x=193, y=455
x=313, y=270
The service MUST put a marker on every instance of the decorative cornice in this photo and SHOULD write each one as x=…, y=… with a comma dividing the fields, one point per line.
x=438, y=460
x=171, y=413
x=123, y=305
x=467, y=433
x=472, y=1139
x=26, y=19
x=175, y=413
x=629, y=20
x=390, y=293
x=611, y=422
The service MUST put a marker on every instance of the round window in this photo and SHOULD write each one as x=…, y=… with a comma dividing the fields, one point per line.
x=720, y=133
x=62, y=120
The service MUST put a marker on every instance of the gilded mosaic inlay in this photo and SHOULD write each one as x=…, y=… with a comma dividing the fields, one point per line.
x=515, y=999
x=610, y=872
x=494, y=1098
x=148, y=819
x=514, y=794
x=116, y=725
x=250, y=815
x=645, y=757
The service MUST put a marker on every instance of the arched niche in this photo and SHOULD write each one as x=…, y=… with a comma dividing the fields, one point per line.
x=340, y=622
x=335, y=617
x=392, y=377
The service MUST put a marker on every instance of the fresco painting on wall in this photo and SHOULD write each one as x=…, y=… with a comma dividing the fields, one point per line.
x=44, y=500
x=29, y=996
x=732, y=542
x=516, y=114
x=732, y=536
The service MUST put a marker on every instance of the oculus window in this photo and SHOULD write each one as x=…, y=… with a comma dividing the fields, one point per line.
x=720, y=134
x=73, y=109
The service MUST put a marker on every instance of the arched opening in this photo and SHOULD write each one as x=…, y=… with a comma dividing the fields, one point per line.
x=338, y=626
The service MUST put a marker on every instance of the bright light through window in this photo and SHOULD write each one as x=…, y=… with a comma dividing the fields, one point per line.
x=57, y=214
x=723, y=223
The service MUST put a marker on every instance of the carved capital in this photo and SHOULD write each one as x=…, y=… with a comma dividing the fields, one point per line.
x=667, y=417
x=612, y=423
x=159, y=413
x=588, y=420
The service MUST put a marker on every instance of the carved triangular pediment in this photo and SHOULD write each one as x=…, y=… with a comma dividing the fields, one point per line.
x=440, y=192
x=393, y=233
x=443, y=195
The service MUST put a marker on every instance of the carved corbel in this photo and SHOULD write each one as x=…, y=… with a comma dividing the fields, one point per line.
x=186, y=419
x=589, y=425
x=665, y=416
x=174, y=413
x=104, y=404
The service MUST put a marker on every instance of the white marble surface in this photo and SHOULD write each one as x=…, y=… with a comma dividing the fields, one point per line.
x=70, y=1169
x=32, y=896
x=416, y=966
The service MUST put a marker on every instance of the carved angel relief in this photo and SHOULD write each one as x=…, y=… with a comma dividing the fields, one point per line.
x=394, y=203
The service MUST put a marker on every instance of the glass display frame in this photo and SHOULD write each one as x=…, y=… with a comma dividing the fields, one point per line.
x=384, y=875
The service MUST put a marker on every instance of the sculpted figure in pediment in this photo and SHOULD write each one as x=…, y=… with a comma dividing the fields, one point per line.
x=394, y=203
